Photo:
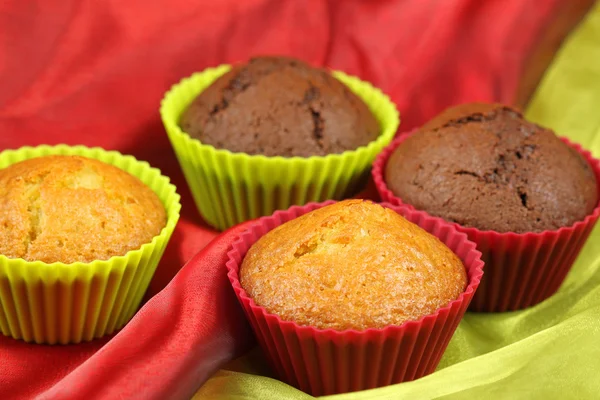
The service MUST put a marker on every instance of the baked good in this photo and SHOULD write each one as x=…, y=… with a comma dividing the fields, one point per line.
x=278, y=106
x=489, y=168
x=352, y=264
x=457, y=112
x=71, y=208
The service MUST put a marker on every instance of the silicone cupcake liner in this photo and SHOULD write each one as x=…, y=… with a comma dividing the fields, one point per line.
x=229, y=188
x=70, y=303
x=322, y=362
x=521, y=269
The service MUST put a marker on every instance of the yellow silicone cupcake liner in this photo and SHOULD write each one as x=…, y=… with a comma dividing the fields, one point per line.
x=229, y=188
x=70, y=303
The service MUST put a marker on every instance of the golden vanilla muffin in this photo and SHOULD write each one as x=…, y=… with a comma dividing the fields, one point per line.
x=72, y=208
x=352, y=264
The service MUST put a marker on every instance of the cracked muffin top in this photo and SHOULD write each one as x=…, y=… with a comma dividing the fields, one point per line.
x=485, y=166
x=352, y=264
x=71, y=208
x=278, y=106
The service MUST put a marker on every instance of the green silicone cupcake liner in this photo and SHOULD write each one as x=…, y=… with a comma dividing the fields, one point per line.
x=229, y=188
x=70, y=303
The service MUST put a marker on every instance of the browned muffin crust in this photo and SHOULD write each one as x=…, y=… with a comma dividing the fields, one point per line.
x=278, y=106
x=460, y=111
x=489, y=168
x=71, y=208
x=353, y=264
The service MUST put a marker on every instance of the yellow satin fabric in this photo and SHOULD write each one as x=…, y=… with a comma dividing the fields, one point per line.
x=547, y=352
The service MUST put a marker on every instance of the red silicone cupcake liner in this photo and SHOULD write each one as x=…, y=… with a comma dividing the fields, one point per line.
x=521, y=270
x=323, y=362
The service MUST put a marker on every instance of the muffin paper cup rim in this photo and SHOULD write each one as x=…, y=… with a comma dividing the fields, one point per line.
x=386, y=134
x=386, y=194
x=172, y=210
x=233, y=276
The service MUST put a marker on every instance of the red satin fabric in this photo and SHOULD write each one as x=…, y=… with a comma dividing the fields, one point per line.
x=94, y=71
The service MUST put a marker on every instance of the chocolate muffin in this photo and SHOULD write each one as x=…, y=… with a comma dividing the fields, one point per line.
x=458, y=112
x=279, y=106
x=329, y=269
x=72, y=208
x=485, y=166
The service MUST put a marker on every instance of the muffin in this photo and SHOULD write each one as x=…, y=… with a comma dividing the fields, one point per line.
x=327, y=269
x=459, y=111
x=70, y=208
x=351, y=296
x=273, y=132
x=279, y=106
x=526, y=197
x=493, y=170
x=81, y=233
